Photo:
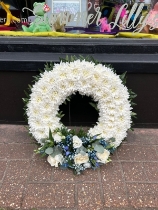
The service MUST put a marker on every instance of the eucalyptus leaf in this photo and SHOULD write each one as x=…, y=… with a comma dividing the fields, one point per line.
x=78, y=150
x=82, y=152
x=96, y=142
x=98, y=148
x=81, y=149
x=49, y=150
x=56, y=151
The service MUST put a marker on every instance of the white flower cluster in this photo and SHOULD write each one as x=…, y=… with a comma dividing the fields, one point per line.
x=89, y=79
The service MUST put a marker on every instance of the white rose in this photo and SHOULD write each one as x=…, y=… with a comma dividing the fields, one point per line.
x=57, y=137
x=77, y=142
x=87, y=165
x=103, y=156
x=79, y=158
x=54, y=161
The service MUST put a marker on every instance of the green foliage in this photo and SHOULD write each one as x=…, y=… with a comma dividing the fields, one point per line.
x=123, y=77
x=94, y=105
x=112, y=139
x=48, y=66
x=81, y=150
x=67, y=99
x=80, y=57
x=49, y=151
x=134, y=115
x=132, y=95
x=80, y=133
x=51, y=137
x=60, y=114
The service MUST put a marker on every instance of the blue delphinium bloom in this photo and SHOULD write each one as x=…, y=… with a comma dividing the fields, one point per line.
x=67, y=153
x=66, y=148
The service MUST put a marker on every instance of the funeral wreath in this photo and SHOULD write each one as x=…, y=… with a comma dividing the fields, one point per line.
x=68, y=148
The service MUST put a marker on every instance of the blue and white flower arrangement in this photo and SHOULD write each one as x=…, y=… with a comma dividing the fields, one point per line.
x=76, y=150
x=57, y=83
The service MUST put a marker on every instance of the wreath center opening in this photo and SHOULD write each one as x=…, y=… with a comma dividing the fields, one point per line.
x=79, y=110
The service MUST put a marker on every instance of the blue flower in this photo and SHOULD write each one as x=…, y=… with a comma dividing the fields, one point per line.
x=67, y=153
x=94, y=137
x=66, y=147
x=103, y=143
x=96, y=164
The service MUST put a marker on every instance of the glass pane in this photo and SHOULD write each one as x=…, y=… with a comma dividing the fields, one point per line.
x=76, y=8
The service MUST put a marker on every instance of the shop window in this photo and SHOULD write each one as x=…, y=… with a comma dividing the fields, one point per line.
x=84, y=16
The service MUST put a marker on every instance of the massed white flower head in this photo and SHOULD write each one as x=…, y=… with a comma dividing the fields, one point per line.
x=89, y=79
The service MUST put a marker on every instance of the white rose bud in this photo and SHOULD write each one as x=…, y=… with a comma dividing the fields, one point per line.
x=77, y=142
x=57, y=137
x=79, y=158
x=103, y=156
x=54, y=161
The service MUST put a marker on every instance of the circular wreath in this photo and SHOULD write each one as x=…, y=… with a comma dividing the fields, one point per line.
x=65, y=147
